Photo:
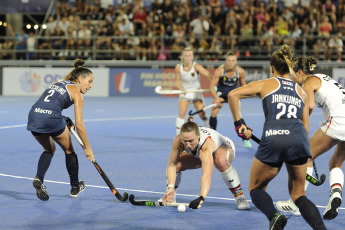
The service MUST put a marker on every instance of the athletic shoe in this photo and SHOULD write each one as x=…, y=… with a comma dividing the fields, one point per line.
x=247, y=144
x=41, y=191
x=76, y=190
x=288, y=206
x=278, y=222
x=334, y=203
x=242, y=203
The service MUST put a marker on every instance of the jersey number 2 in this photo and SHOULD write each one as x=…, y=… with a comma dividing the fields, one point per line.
x=291, y=111
x=50, y=93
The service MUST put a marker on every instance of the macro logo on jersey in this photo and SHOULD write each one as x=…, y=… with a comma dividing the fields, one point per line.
x=30, y=81
x=274, y=132
x=39, y=110
x=122, y=82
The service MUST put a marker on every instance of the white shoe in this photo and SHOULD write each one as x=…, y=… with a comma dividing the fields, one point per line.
x=288, y=206
x=334, y=203
x=242, y=203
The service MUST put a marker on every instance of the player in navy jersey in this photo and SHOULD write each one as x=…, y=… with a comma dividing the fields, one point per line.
x=48, y=125
x=201, y=147
x=284, y=138
x=226, y=78
x=329, y=95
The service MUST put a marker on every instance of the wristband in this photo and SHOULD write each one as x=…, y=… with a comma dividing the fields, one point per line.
x=171, y=186
x=239, y=122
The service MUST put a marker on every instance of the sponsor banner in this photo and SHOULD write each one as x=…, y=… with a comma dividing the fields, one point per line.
x=142, y=81
x=134, y=82
x=33, y=81
x=339, y=75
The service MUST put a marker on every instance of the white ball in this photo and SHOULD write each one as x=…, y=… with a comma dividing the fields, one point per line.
x=181, y=208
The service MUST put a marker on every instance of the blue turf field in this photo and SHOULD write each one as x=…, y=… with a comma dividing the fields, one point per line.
x=131, y=138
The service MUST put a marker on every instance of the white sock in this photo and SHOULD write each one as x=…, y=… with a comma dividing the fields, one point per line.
x=232, y=181
x=177, y=181
x=179, y=122
x=336, y=178
x=310, y=171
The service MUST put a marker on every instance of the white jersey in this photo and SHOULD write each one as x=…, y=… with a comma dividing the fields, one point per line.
x=219, y=140
x=190, y=79
x=330, y=97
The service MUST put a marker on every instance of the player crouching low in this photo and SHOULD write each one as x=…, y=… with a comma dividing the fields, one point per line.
x=197, y=147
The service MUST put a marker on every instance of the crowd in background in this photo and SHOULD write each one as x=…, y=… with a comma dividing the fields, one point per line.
x=159, y=30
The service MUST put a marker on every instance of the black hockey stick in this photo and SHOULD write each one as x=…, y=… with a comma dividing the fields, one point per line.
x=153, y=203
x=110, y=185
x=310, y=178
x=102, y=173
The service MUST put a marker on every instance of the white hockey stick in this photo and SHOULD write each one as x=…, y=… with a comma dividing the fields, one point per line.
x=159, y=90
x=77, y=138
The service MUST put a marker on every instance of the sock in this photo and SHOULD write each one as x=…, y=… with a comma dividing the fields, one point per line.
x=178, y=179
x=310, y=212
x=72, y=168
x=213, y=122
x=43, y=164
x=336, y=178
x=310, y=171
x=232, y=181
x=179, y=122
x=263, y=201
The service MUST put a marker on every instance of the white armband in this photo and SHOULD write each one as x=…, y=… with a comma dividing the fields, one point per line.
x=171, y=186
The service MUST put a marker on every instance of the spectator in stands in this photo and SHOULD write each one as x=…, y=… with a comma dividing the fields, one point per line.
x=64, y=24
x=262, y=17
x=58, y=41
x=199, y=27
x=156, y=4
x=217, y=19
x=246, y=38
x=181, y=18
x=266, y=39
x=231, y=40
x=294, y=36
x=71, y=40
x=32, y=45
x=139, y=21
x=51, y=24
x=45, y=43
x=125, y=5
x=62, y=6
x=282, y=30
x=103, y=40
x=84, y=40
x=329, y=9
x=20, y=41
x=6, y=52
x=341, y=25
x=335, y=45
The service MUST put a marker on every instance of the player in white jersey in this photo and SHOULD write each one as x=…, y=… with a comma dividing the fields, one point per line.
x=200, y=147
x=187, y=76
x=329, y=95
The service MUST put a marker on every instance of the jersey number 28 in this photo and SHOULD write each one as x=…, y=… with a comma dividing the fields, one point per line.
x=289, y=110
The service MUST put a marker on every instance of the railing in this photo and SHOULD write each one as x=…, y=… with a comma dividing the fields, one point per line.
x=158, y=48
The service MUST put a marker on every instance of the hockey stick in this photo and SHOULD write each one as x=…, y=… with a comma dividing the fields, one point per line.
x=159, y=90
x=315, y=170
x=102, y=173
x=191, y=113
x=153, y=203
x=310, y=178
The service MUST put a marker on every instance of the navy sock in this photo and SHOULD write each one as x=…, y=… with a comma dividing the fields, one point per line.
x=213, y=123
x=72, y=168
x=263, y=201
x=43, y=164
x=310, y=213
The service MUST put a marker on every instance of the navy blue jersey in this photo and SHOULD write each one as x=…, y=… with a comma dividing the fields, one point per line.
x=45, y=115
x=226, y=84
x=284, y=136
